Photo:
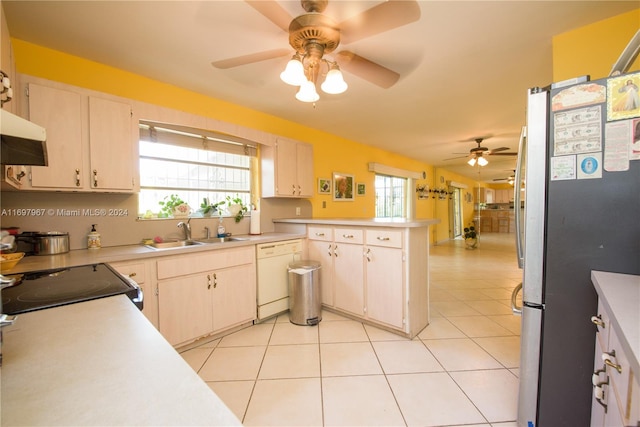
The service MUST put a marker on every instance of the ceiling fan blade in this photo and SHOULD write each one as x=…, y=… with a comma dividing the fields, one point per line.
x=273, y=12
x=496, y=150
x=368, y=70
x=251, y=58
x=383, y=17
x=504, y=154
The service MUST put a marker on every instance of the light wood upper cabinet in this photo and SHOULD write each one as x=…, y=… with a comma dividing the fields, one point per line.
x=110, y=145
x=503, y=196
x=59, y=112
x=91, y=145
x=287, y=169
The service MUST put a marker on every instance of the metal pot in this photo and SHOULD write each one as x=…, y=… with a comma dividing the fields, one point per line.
x=46, y=243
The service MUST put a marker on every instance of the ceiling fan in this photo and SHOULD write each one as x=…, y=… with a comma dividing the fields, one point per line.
x=510, y=179
x=478, y=154
x=313, y=34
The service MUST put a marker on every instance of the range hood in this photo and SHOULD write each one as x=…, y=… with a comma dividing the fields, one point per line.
x=23, y=142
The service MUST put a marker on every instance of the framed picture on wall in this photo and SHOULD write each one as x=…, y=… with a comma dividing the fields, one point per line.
x=343, y=187
x=324, y=186
x=361, y=189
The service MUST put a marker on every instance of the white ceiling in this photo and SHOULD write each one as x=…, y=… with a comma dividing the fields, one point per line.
x=465, y=66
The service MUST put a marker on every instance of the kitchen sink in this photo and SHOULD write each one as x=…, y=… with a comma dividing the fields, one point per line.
x=221, y=239
x=170, y=244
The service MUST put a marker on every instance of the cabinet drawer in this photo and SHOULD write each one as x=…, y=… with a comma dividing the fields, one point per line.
x=604, y=328
x=384, y=237
x=348, y=235
x=135, y=271
x=620, y=381
x=320, y=233
x=201, y=262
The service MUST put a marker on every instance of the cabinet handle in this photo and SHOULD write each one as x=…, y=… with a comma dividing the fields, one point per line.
x=348, y=236
x=319, y=234
x=77, y=177
x=335, y=251
x=215, y=280
x=208, y=281
x=607, y=359
x=299, y=190
x=383, y=239
x=368, y=254
x=95, y=178
x=329, y=250
x=293, y=189
x=132, y=274
x=597, y=320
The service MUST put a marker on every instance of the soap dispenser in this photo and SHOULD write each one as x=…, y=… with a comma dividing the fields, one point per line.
x=221, y=230
x=93, y=238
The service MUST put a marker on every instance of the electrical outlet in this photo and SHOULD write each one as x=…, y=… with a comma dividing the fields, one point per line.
x=324, y=204
x=298, y=211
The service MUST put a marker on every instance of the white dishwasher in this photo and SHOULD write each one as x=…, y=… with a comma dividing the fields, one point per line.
x=273, y=288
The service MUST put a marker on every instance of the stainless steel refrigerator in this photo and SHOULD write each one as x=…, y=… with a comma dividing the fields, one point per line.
x=581, y=174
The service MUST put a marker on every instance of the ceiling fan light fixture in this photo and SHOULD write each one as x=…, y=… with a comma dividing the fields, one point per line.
x=307, y=92
x=472, y=161
x=482, y=161
x=293, y=74
x=334, y=82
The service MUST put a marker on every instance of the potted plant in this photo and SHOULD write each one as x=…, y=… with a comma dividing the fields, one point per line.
x=235, y=207
x=470, y=237
x=173, y=205
x=207, y=208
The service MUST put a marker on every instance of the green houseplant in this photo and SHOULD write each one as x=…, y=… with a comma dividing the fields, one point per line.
x=207, y=208
x=470, y=237
x=171, y=205
x=235, y=207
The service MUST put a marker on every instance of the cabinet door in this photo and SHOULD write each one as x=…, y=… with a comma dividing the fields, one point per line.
x=322, y=251
x=234, y=296
x=139, y=273
x=349, y=278
x=110, y=145
x=185, y=308
x=385, y=285
x=286, y=171
x=304, y=170
x=59, y=112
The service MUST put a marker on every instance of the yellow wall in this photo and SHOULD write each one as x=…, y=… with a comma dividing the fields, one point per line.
x=331, y=153
x=593, y=49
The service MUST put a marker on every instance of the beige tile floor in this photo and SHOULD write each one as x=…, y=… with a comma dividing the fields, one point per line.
x=461, y=370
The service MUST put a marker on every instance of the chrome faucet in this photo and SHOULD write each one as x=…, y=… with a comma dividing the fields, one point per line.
x=186, y=227
x=207, y=233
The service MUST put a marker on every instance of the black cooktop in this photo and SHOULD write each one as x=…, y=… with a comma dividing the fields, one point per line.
x=38, y=290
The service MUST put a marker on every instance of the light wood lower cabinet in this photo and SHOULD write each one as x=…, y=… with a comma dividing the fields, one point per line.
x=366, y=274
x=205, y=293
x=616, y=392
x=143, y=273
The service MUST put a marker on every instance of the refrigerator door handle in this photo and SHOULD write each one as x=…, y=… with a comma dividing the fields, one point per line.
x=517, y=196
x=517, y=310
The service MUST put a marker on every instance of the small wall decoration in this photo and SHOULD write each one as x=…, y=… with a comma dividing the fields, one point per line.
x=623, y=97
x=324, y=186
x=361, y=189
x=342, y=187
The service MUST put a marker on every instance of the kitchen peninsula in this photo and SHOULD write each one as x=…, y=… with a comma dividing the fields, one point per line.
x=374, y=270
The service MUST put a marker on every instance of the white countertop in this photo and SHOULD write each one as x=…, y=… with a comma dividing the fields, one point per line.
x=100, y=363
x=133, y=252
x=620, y=294
x=363, y=222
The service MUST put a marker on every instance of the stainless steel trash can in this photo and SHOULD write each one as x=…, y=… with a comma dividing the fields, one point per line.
x=305, y=303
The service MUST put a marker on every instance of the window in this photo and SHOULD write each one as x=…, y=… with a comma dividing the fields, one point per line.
x=193, y=164
x=390, y=196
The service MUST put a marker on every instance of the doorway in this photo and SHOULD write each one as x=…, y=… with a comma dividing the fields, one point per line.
x=456, y=213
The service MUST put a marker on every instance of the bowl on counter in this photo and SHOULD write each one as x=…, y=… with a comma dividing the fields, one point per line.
x=8, y=261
